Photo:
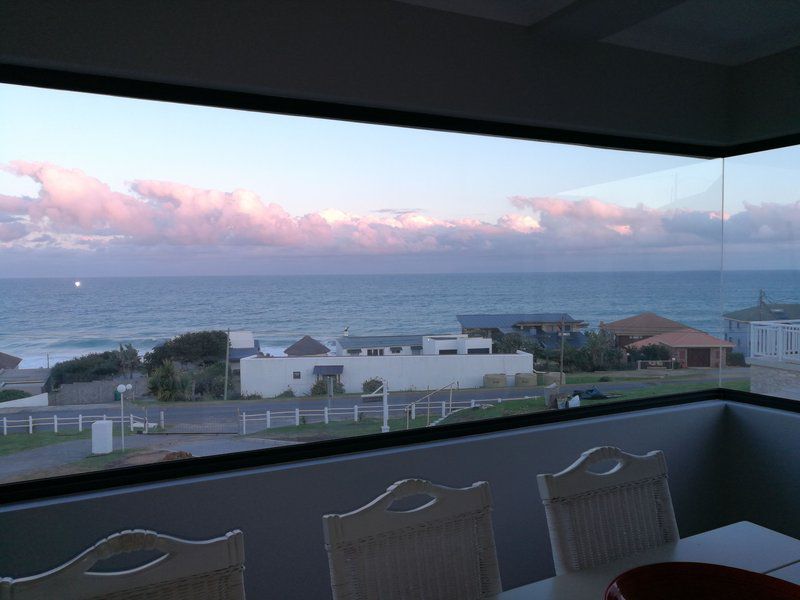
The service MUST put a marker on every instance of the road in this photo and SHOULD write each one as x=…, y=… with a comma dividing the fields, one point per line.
x=203, y=412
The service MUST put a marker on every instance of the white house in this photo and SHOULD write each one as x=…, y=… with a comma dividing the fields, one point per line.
x=411, y=345
x=271, y=376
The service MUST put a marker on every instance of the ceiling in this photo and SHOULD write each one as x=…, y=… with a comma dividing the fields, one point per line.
x=710, y=76
x=723, y=32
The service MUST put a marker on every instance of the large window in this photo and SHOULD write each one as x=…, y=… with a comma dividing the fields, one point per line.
x=222, y=267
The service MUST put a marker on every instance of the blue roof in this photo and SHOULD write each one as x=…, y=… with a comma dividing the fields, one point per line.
x=237, y=354
x=379, y=341
x=507, y=321
x=328, y=369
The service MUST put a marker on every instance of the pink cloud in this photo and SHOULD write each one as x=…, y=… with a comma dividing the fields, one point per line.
x=75, y=210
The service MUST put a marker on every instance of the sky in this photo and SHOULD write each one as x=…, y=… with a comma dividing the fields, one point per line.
x=95, y=186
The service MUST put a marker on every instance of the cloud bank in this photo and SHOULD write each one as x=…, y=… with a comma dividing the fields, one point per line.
x=75, y=211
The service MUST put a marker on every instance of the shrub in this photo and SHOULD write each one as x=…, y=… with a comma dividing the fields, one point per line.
x=736, y=359
x=196, y=347
x=168, y=385
x=286, y=394
x=605, y=378
x=320, y=388
x=210, y=381
x=370, y=386
x=650, y=352
x=13, y=395
x=97, y=365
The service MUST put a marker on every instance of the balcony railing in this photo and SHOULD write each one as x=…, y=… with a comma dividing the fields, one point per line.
x=778, y=340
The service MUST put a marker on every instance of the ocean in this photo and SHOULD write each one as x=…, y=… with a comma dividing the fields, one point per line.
x=41, y=317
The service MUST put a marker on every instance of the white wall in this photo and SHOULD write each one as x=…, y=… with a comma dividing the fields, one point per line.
x=37, y=400
x=461, y=343
x=272, y=376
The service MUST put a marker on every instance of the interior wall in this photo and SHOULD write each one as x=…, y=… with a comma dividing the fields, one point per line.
x=763, y=470
x=280, y=508
x=378, y=53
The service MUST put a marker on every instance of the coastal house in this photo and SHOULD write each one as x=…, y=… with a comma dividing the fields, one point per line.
x=689, y=347
x=640, y=327
x=737, y=328
x=242, y=344
x=7, y=361
x=544, y=328
x=307, y=346
x=411, y=345
x=421, y=362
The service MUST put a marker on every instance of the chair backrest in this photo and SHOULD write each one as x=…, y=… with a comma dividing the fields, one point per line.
x=594, y=518
x=209, y=569
x=443, y=549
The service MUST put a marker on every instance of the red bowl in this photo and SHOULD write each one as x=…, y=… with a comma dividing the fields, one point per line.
x=698, y=581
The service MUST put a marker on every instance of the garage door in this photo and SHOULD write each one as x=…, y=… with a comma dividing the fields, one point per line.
x=699, y=357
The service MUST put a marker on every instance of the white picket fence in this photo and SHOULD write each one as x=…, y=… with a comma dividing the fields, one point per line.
x=776, y=340
x=251, y=421
x=77, y=424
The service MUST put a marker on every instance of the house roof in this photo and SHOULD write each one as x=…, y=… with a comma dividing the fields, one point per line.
x=506, y=322
x=646, y=323
x=686, y=338
x=21, y=376
x=306, y=346
x=242, y=339
x=379, y=341
x=9, y=362
x=766, y=312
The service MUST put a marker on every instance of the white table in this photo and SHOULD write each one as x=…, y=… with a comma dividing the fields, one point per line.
x=743, y=545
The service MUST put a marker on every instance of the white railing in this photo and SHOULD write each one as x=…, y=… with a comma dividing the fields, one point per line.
x=252, y=421
x=56, y=424
x=779, y=340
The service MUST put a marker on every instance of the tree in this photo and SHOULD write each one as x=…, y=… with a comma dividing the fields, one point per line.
x=601, y=351
x=210, y=381
x=128, y=357
x=89, y=367
x=196, y=347
x=168, y=385
x=511, y=342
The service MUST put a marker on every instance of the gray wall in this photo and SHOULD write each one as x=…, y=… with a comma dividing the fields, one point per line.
x=763, y=467
x=95, y=392
x=279, y=508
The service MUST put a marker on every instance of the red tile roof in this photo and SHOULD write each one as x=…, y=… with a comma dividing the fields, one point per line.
x=646, y=323
x=686, y=338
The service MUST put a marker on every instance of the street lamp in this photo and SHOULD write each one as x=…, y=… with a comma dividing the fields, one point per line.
x=122, y=388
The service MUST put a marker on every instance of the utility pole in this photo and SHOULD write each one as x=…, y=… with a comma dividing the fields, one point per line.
x=561, y=333
x=227, y=357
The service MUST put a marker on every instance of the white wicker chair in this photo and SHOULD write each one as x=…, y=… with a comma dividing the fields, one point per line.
x=210, y=569
x=595, y=518
x=441, y=550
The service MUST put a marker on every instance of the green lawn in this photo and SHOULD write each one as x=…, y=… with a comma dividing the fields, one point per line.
x=338, y=429
x=16, y=442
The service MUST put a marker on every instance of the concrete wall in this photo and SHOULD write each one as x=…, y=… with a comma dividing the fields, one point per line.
x=279, y=508
x=271, y=376
x=37, y=400
x=762, y=467
x=94, y=392
x=774, y=378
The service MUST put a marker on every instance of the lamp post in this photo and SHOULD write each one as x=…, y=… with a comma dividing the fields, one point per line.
x=122, y=388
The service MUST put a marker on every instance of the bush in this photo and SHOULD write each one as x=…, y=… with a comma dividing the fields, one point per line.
x=98, y=365
x=320, y=388
x=168, y=385
x=13, y=395
x=370, y=386
x=604, y=378
x=197, y=347
x=210, y=381
x=286, y=394
x=736, y=359
x=650, y=352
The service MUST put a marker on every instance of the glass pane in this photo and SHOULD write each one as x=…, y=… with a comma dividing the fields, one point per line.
x=261, y=280
x=761, y=313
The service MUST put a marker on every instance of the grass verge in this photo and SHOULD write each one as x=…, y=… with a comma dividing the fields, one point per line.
x=17, y=442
